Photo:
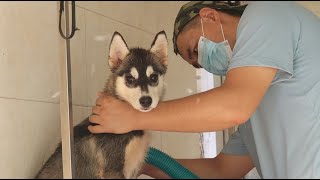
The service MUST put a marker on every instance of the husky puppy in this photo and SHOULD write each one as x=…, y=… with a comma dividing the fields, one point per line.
x=137, y=77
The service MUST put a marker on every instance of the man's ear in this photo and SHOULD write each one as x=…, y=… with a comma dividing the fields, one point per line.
x=210, y=14
x=159, y=47
x=118, y=50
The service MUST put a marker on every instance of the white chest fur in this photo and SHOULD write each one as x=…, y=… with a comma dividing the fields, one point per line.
x=135, y=155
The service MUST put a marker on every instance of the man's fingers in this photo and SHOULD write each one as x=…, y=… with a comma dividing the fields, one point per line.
x=95, y=119
x=100, y=100
x=95, y=129
x=96, y=110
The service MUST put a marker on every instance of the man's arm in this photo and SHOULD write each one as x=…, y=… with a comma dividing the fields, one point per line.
x=226, y=106
x=223, y=166
x=220, y=108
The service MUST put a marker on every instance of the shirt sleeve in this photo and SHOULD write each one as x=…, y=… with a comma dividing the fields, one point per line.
x=265, y=41
x=235, y=146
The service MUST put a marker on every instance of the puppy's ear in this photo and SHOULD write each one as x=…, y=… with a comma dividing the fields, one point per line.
x=118, y=50
x=160, y=47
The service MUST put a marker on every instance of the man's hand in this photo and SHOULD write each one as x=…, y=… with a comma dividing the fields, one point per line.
x=153, y=172
x=112, y=116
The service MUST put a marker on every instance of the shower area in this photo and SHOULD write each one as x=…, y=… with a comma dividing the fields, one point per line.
x=48, y=83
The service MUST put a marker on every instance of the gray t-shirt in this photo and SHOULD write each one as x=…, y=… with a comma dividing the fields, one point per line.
x=283, y=134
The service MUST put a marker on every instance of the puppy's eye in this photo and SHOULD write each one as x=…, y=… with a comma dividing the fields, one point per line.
x=130, y=79
x=154, y=78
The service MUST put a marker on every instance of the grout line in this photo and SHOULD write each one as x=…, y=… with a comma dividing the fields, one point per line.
x=81, y=105
x=85, y=56
x=30, y=100
x=38, y=101
x=151, y=33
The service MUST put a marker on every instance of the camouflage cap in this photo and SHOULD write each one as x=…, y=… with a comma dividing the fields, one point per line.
x=190, y=10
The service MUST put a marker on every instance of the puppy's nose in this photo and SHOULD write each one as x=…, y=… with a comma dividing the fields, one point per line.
x=145, y=101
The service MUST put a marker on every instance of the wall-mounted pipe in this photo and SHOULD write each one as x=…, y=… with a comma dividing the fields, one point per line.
x=66, y=115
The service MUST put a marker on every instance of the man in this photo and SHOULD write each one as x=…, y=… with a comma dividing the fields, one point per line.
x=270, y=55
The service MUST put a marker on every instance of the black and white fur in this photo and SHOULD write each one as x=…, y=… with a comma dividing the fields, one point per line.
x=138, y=78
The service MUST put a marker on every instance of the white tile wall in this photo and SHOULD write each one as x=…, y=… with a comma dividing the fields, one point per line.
x=28, y=135
x=147, y=16
x=29, y=37
x=9, y=133
x=78, y=61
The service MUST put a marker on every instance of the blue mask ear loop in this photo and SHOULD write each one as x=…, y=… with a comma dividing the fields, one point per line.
x=202, y=28
x=199, y=49
x=222, y=32
x=224, y=39
x=220, y=28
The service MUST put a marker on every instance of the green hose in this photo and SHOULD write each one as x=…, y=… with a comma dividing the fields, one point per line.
x=168, y=165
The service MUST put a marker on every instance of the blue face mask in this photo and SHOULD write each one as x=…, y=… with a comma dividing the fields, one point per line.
x=214, y=57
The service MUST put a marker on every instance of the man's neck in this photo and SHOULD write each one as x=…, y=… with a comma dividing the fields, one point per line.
x=230, y=25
